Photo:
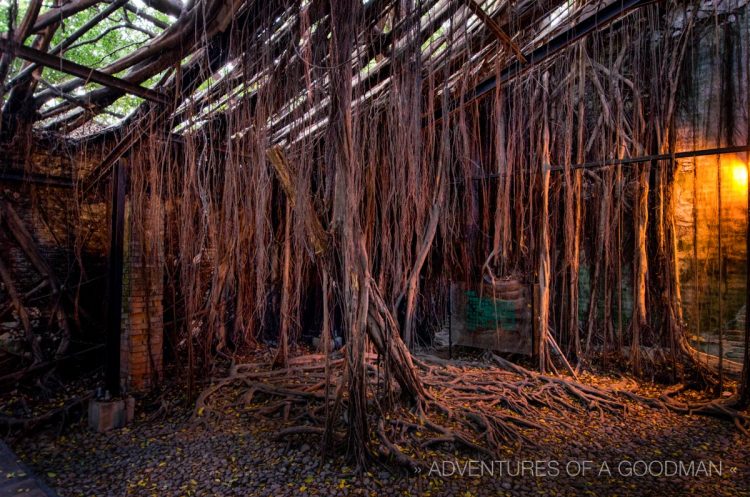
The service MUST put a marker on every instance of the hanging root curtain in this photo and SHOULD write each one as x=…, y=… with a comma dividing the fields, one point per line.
x=334, y=165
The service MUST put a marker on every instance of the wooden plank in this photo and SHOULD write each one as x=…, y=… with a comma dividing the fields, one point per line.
x=78, y=70
x=27, y=244
x=634, y=161
x=36, y=179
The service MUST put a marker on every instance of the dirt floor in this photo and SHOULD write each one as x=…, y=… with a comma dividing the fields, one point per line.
x=634, y=453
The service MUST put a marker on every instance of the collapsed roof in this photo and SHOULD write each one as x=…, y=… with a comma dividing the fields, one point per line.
x=79, y=68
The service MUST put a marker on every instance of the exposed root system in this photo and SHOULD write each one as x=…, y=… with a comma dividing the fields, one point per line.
x=483, y=408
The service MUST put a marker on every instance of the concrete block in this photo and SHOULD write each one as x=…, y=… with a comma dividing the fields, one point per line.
x=105, y=415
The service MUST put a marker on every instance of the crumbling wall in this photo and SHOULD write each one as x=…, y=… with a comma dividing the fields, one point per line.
x=69, y=231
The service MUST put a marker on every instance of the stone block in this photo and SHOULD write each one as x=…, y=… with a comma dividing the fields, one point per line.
x=105, y=415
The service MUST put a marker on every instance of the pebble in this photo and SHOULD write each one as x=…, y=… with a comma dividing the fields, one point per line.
x=239, y=458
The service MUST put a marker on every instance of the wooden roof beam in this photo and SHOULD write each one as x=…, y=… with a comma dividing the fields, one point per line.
x=501, y=35
x=75, y=69
x=67, y=42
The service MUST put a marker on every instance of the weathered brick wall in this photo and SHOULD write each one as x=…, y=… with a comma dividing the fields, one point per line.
x=141, y=339
x=70, y=234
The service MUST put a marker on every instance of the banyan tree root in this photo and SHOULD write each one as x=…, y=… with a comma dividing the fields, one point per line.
x=469, y=406
x=723, y=409
x=62, y=414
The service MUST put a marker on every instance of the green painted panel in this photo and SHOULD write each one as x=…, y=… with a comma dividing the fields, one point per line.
x=483, y=313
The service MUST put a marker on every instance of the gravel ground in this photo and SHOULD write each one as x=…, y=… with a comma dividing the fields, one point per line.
x=237, y=457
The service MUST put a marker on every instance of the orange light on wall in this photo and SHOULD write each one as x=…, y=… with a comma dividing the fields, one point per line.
x=739, y=175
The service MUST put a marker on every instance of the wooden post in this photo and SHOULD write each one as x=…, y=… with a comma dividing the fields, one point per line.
x=114, y=279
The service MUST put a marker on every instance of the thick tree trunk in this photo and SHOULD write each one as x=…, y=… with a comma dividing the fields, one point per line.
x=349, y=257
x=382, y=328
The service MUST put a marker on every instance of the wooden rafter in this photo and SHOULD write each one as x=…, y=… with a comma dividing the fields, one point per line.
x=501, y=35
x=163, y=51
x=67, y=42
x=75, y=69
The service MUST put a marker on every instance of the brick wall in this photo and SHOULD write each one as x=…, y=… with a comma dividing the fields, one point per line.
x=141, y=339
x=69, y=230
x=70, y=234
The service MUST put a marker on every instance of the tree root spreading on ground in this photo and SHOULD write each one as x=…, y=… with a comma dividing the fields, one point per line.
x=484, y=407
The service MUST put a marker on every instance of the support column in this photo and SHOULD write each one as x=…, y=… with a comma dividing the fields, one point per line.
x=142, y=323
x=114, y=279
